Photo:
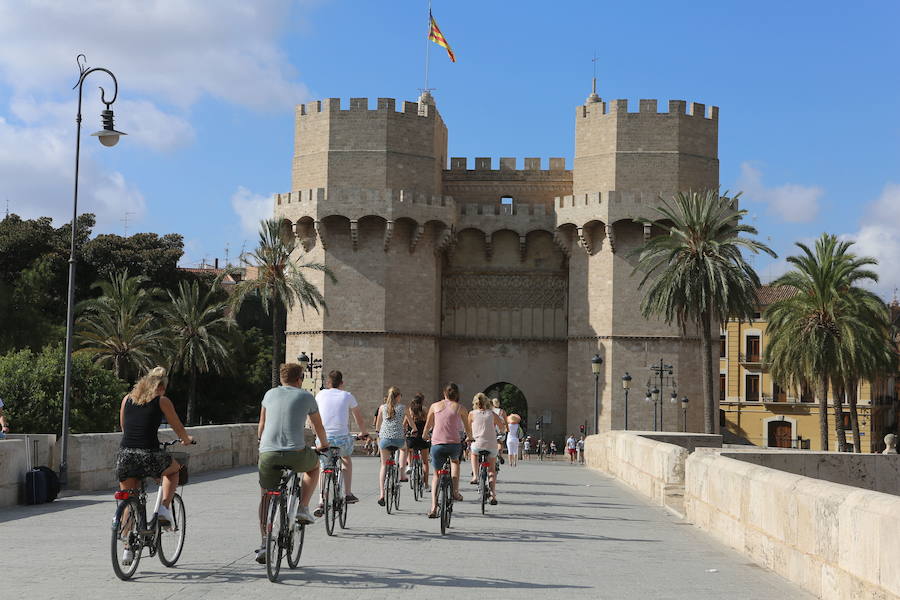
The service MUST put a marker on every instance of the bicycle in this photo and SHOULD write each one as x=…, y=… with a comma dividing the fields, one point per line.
x=284, y=535
x=416, y=475
x=484, y=487
x=132, y=531
x=445, y=496
x=334, y=500
x=391, y=483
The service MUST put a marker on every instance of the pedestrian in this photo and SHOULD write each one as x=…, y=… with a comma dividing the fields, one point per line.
x=389, y=422
x=552, y=447
x=4, y=423
x=512, y=438
x=571, y=448
x=526, y=449
x=581, y=450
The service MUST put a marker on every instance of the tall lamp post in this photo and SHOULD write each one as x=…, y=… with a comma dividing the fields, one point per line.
x=311, y=364
x=626, y=385
x=108, y=136
x=654, y=395
x=596, y=364
x=684, y=407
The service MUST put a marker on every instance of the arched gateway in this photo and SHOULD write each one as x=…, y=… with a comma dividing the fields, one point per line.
x=503, y=272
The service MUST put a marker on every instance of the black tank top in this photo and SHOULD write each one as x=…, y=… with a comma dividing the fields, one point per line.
x=142, y=423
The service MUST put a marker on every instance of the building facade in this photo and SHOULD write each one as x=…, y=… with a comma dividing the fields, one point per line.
x=483, y=272
x=757, y=410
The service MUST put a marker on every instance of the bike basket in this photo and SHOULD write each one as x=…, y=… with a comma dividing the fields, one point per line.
x=183, y=459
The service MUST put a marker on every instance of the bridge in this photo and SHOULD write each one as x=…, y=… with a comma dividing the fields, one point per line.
x=560, y=531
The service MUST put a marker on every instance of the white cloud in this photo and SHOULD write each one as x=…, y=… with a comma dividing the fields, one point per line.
x=879, y=236
x=251, y=208
x=792, y=202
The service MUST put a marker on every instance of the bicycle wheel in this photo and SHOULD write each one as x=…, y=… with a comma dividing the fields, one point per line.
x=328, y=502
x=388, y=489
x=276, y=528
x=445, y=506
x=342, y=500
x=126, y=536
x=294, y=546
x=395, y=475
x=170, y=538
x=483, y=487
x=414, y=478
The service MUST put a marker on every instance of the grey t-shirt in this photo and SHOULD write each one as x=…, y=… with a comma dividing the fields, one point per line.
x=286, y=411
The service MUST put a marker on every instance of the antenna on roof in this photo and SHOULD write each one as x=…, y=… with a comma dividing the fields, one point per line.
x=227, y=264
x=7, y=208
x=124, y=220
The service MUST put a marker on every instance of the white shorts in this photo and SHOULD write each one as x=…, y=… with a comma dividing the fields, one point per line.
x=492, y=452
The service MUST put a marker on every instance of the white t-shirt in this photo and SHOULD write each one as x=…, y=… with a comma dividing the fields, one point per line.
x=334, y=408
x=570, y=443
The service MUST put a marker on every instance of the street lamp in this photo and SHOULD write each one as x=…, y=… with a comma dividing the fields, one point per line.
x=673, y=398
x=310, y=364
x=626, y=385
x=596, y=363
x=684, y=406
x=108, y=136
x=654, y=394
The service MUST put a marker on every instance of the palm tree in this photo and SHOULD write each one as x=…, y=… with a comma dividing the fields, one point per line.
x=118, y=328
x=696, y=273
x=196, y=324
x=281, y=284
x=815, y=334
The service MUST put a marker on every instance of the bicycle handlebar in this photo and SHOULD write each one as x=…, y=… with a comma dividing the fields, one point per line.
x=175, y=441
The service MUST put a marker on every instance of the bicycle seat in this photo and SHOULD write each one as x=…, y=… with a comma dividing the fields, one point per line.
x=483, y=453
x=392, y=448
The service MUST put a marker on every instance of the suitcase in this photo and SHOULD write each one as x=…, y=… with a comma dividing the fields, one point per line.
x=41, y=483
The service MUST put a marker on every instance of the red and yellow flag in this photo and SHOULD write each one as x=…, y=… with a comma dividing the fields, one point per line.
x=435, y=35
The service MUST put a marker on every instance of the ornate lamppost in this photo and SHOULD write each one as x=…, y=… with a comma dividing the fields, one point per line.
x=596, y=365
x=684, y=407
x=626, y=385
x=108, y=136
x=311, y=364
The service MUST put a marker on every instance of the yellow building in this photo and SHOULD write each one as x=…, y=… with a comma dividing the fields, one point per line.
x=755, y=408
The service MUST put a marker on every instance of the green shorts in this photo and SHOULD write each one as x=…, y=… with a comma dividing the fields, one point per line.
x=270, y=464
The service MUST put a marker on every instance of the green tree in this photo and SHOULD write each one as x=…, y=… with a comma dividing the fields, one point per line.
x=31, y=385
x=695, y=271
x=119, y=327
x=196, y=325
x=281, y=284
x=827, y=332
x=148, y=254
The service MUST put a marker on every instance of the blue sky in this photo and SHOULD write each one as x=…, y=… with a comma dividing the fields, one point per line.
x=809, y=96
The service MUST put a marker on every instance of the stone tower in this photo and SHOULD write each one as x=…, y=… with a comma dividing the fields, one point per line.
x=486, y=275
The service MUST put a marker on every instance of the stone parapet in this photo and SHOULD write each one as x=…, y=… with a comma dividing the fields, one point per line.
x=606, y=207
x=837, y=541
x=355, y=203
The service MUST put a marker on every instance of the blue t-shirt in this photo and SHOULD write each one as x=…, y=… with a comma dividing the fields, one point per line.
x=286, y=410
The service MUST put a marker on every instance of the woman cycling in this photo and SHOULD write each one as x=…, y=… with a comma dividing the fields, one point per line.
x=389, y=423
x=415, y=423
x=442, y=427
x=482, y=422
x=512, y=439
x=139, y=455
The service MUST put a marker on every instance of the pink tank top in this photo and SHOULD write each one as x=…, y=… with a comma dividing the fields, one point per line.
x=446, y=425
x=483, y=429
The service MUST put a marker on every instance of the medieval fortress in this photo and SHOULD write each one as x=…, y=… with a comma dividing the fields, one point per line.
x=489, y=272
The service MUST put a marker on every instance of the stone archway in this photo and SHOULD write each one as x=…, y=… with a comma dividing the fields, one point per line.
x=512, y=399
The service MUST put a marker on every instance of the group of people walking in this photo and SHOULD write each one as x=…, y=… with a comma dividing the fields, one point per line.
x=443, y=432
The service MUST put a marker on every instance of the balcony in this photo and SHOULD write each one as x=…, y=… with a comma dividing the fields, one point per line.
x=752, y=361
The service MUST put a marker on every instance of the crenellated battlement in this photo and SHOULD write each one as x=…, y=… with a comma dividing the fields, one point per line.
x=648, y=107
x=483, y=163
x=387, y=106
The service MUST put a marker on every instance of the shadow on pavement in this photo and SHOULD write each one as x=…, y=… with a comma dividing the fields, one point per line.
x=24, y=512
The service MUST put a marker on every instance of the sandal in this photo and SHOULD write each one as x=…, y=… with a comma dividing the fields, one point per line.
x=320, y=510
x=458, y=497
x=473, y=482
x=433, y=514
x=493, y=502
x=381, y=502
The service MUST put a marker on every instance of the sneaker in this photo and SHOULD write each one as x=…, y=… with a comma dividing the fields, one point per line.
x=127, y=557
x=351, y=499
x=320, y=510
x=303, y=516
x=164, y=514
x=502, y=462
x=408, y=470
x=261, y=555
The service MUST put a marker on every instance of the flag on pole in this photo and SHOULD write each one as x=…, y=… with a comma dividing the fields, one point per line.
x=435, y=35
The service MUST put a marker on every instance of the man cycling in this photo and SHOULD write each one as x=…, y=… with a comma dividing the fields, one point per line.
x=282, y=422
x=335, y=407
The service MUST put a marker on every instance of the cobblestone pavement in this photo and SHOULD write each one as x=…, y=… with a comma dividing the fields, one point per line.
x=560, y=531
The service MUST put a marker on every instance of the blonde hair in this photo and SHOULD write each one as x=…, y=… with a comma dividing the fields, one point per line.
x=495, y=402
x=145, y=389
x=391, y=401
x=480, y=401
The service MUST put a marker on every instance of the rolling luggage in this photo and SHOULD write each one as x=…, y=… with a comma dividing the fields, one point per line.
x=41, y=483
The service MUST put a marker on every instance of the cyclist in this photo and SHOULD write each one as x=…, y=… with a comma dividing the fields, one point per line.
x=139, y=454
x=389, y=422
x=415, y=423
x=335, y=408
x=484, y=424
x=501, y=436
x=282, y=423
x=441, y=427
x=512, y=438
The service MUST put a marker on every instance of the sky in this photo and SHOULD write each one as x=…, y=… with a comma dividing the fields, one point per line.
x=809, y=97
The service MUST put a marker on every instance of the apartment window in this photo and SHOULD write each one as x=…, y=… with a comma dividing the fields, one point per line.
x=722, y=387
x=778, y=393
x=752, y=348
x=806, y=394
x=752, y=388
x=723, y=346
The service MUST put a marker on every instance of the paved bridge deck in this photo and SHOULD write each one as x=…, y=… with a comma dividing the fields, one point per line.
x=560, y=531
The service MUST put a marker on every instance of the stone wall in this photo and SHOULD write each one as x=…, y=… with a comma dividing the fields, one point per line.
x=651, y=463
x=837, y=541
x=92, y=456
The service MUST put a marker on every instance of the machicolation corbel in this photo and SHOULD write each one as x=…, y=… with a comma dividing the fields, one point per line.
x=488, y=248
x=320, y=231
x=522, y=247
x=611, y=236
x=562, y=242
x=388, y=234
x=647, y=228
x=584, y=238
x=354, y=234
x=417, y=235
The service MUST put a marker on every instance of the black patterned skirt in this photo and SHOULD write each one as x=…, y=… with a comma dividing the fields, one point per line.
x=140, y=463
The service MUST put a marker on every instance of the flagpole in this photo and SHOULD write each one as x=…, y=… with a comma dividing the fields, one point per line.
x=427, y=46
